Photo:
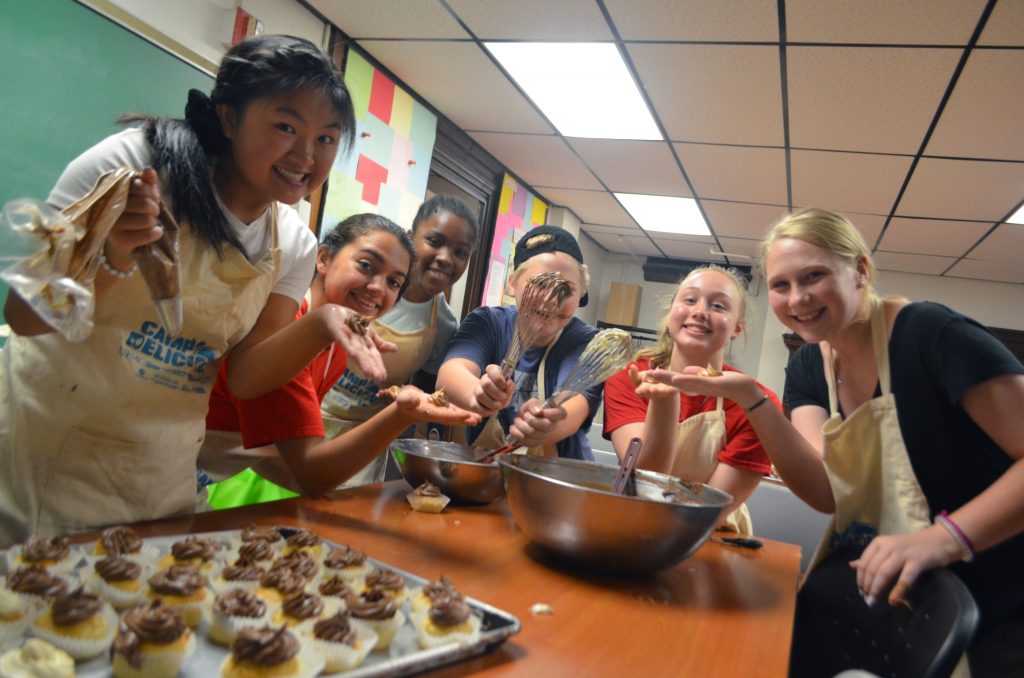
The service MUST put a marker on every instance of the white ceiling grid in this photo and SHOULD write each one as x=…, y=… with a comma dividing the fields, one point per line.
x=906, y=116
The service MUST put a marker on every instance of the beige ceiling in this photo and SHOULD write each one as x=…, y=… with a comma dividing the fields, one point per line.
x=908, y=116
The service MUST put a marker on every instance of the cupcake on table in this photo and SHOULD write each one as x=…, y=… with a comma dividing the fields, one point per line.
x=423, y=597
x=300, y=611
x=242, y=574
x=234, y=610
x=299, y=562
x=448, y=620
x=380, y=612
x=124, y=541
x=336, y=588
x=257, y=551
x=79, y=623
x=268, y=651
x=304, y=540
x=37, y=658
x=36, y=582
x=152, y=641
x=349, y=563
x=276, y=585
x=262, y=533
x=54, y=554
x=342, y=641
x=118, y=581
x=181, y=587
x=388, y=581
x=195, y=551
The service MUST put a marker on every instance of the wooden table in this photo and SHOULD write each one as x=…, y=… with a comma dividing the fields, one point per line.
x=723, y=612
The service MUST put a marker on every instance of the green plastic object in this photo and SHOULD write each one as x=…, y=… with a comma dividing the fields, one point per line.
x=243, y=489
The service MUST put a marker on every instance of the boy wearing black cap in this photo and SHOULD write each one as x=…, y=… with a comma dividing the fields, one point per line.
x=471, y=376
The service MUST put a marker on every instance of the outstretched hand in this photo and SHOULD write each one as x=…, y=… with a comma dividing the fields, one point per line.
x=647, y=388
x=416, y=404
x=735, y=386
x=902, y=557
x=364, y=349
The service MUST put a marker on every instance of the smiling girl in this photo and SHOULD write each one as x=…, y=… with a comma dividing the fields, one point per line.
x=708, y=440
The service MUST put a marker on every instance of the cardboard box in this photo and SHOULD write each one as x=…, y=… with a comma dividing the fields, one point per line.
x=623, y=304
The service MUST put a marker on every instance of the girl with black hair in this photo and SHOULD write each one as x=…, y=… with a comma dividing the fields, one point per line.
x=107, y=430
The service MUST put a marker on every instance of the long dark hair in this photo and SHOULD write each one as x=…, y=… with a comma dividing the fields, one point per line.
x=184, y=149
x=358, y=225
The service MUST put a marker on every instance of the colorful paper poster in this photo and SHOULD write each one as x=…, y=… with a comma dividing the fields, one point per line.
x=518, y=212
x=386, y=170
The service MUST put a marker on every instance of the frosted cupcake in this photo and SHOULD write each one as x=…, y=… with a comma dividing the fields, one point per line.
x=54, y=554
x=342, y=642
x=235, y=610
x=448, y=620
x=299, y=562
x=273, y=652
x=335, y=588
x=390, y=582
x=348, y=563
x=278, y=584
x=427, y=498
x=301, y=611
x=304, y=540
x=152, y=642
x=36, y=582
x=118, y=581
x=181, y=587
x=379, y=611
x=79, y=623
x=37, y=658
x=241, y=574
x=420, y=599
x=124, y=541
x=256, y=551
x=260, y=532
x=195, y=551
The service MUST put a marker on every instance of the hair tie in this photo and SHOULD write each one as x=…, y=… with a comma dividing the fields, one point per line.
x=202, y=116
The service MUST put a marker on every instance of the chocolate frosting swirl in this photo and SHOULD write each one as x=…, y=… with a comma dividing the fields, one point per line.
x=265, y=646
x=336, y=586
x=36, y=581
x=115, y=568
x=37, y=549
x=239, y=603
x=256, y=549
x=385, y=579
x=303, y=606
x=336, y=629
x=195, y=547
x=243, y=570
x=267, y=534
x=177, y=580
x=442, y=588
x=303, y=538
x=152, y=622
x=284, y=580
x=428, y=489
x=346, y=556
x=450, y=611
x=120, y=540
x=75, y=607
x=372, y=604
x=299, y=562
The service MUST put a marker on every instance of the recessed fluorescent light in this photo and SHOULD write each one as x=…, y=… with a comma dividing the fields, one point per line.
x=665, y=214
x=584, y=89
x=1017, y=218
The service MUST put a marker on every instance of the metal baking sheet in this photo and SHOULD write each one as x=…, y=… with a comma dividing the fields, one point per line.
x=404, y=657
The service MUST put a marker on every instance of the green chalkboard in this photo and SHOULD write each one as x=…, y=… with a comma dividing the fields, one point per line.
x=67, y=73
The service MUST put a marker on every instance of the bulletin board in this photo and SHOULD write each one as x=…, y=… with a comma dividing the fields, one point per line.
x=386, y=170
x=519, y=210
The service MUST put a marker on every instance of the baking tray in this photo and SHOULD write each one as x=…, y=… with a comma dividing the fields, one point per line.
x=404, y=657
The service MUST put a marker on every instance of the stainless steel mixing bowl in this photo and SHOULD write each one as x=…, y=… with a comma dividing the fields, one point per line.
x=566, y=507
x=450, y=466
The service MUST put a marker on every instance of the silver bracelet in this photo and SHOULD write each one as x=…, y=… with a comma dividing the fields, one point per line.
x=110, y=270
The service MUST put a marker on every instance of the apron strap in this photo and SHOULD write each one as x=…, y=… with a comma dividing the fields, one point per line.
x=541, y=391
x=830, y=377
x=880, y=340
x=718, y=404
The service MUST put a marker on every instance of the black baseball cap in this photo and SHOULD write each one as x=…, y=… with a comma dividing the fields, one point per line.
x=548, y=239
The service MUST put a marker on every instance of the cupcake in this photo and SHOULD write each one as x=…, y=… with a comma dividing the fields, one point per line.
x=124, y=541
x=53, y=554
x=427, y=498
x=194, y=551
x=79, y=623
x=390, y=582
x=36, y=582
x=16, y=614
x=181, y=587
x=152, y=642
x=242, y=574
x=278, y=584
x=234, y=610
x=267, y=534
x=299, y=562
x=118, y=581
x=269, y=652
x=342, y=642
x=380, y=612
x=37, y=658
x=335, y=587
x=300, y=611
x=348, y=563
x=422, y=598
x=304, y=540
x=448, y=620
x=256, y=551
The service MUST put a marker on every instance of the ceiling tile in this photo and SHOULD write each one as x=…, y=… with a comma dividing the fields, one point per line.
x=748, y=249
x=905, y=22
x=390, y=18
x=688, y=250
x=847, y=182
x=736, y=20
x=1006, y=243
x=592, y=207
x=714, y=93
x=869, y=225
x=996, y=271
x=856, y=99
x=742, y=220
x=735, y=173
x=1003, y=27
x=932, y=236
x=983, y=116
x=436, y=69
x=911, y=263
x=961, y=189
x=637, y=245
x=633, y=166
x=533, y=19
x=612, y=230
x=539, y=160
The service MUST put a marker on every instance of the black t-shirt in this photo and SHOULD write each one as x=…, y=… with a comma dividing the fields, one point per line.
x=936, y=355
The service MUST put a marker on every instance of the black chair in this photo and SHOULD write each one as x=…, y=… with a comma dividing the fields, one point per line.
x=835, y=630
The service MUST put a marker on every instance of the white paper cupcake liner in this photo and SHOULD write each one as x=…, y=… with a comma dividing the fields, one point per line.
x=353, y=576
x=429, y=640
x=147, y=555
x=191, y=611
x=81, y=648
x=61, y=568
x=223, y=629
x=310, y=662
x=120, y=598
x=156, y=662
x=221, y=585
x=343, y=657
x=386, y=629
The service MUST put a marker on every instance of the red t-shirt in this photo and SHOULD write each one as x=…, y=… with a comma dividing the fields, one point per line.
x=292, y=411
x=742, y=450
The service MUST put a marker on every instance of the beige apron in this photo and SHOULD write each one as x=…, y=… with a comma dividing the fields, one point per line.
x=340, y=416
x=699, y=439
x=107, y=430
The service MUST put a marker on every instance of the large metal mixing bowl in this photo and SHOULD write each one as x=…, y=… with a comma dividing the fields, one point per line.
x=566, y=507
x=450, y=466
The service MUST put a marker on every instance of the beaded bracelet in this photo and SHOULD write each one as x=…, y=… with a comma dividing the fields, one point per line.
x=756, y=405
x=959, y=535
x=110, y=270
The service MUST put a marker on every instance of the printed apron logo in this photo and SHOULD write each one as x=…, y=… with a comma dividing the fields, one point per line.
x=178, y=363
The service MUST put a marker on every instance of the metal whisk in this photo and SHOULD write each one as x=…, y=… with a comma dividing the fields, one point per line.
x=544, y=294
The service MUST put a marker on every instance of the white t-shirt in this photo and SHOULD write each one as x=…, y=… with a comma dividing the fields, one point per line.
x=129, y=148
x=406, y=316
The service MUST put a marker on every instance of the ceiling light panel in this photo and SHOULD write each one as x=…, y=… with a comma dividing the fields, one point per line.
x=584, y=89
x=665, y=214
